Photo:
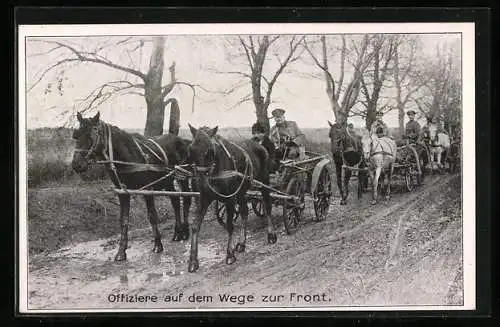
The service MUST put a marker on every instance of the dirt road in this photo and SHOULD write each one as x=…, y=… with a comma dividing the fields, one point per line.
x=404, y=252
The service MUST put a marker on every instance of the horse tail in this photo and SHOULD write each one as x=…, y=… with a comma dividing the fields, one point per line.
x=175, y=117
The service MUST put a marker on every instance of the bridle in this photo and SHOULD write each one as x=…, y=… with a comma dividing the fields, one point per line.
x=208, y=171
x=92, y=152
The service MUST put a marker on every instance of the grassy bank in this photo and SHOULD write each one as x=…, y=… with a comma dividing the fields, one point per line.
x=50, y=150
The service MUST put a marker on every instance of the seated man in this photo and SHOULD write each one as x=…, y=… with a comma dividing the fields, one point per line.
x=379, y=127
x=285, y=131
x=412, y=130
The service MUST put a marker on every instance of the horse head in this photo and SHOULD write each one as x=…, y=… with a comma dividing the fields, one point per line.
x=90, y=142
x=367, y=140
x=202, y=150
x=337, y=135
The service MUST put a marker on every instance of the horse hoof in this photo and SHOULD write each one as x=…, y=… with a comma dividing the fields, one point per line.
x=387, y=197
x=230, y=259
x=240, y=247
x=158, y=248
x=374, y=202
x=193, y=266
x=343, y=202
x=271, y=238
x=121, y=256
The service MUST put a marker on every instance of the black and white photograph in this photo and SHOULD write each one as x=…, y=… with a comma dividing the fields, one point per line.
x=246, y=167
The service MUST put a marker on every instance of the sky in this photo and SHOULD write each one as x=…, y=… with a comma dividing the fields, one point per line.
x=199, y=59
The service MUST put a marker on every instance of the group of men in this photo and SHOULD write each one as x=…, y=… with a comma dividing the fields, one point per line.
x=286, y=130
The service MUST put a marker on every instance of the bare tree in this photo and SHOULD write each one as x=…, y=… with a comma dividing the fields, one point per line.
x=441, y=93
x=384, y=48
x=147, y=84
x=407, y=80
x=342, y=99
x=266, y=57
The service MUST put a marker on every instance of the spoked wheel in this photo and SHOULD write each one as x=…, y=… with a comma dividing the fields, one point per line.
x=258, y=207
x=322, y=194
x=409, y=178
x=220, y=212
x=293, y=209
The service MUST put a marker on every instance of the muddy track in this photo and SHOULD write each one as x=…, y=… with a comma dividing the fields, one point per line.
x=407, y=251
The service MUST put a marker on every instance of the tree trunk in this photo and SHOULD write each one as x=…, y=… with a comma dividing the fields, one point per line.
x=153, y=91
x=261, y=111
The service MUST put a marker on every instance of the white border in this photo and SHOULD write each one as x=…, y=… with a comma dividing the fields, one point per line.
x=468, y=134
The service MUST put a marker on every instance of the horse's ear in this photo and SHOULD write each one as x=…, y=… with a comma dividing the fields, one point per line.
x=79, y=116
x=213, y=131
x=95, y=119
x=193, y=130
x=329, y=123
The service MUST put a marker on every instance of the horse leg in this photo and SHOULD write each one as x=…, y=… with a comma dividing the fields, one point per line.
x=361, y=181
x=240, y=246
x=438, y=160
x=375, y=184
x=195, y=229
x=389, y=181
x=176, y=204
x=230, y=258
x=186, y=205
x=124, y=221
x=153, y=220
x=271, y=234
x=339, y=171
x=347, y=177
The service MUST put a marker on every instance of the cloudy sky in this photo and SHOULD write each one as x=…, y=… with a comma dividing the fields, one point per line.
x=199, y=59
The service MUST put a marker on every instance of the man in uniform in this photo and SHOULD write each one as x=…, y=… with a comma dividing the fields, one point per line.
x=379, y=127
x=284, y=130
x=412, y=131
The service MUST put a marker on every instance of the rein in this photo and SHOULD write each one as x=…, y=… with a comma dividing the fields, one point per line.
x=248, y=173
x=108, y=154
x=379, y=152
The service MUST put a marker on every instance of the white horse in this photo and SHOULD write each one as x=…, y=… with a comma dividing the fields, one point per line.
x=439, y=142
x=381, y=155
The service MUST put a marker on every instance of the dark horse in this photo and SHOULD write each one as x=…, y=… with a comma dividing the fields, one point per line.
x=224, y=172
x=347, y=150
x=127, y=155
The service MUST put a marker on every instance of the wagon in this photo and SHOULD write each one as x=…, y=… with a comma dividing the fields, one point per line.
x=291, y=184
x=409, y=166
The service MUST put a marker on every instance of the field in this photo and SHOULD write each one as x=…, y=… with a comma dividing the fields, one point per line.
x=405, y=251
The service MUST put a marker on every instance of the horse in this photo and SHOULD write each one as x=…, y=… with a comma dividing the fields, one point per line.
x=346, y=150
x=128, y=157
x=439, y=144
x=224, y=172
x=380, y=152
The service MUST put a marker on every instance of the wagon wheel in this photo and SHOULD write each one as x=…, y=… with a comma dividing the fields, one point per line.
x=258, y=207
x=292, y=210
x=321, y=195
x=220, y=213
x=409, y=178
x=417, y=167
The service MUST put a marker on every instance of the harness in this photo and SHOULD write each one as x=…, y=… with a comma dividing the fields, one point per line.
x=247, y=175
x=382, y=151
x=107, y=152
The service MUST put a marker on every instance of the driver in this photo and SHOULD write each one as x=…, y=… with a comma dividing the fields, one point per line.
x=286, y=130
x=379, y=127
x=412, y=131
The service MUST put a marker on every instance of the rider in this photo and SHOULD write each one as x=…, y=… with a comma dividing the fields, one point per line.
x=379, y=127
x=412, y=132
x=287, y=129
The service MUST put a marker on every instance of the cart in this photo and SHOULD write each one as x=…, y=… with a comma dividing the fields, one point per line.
x=293, y=181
